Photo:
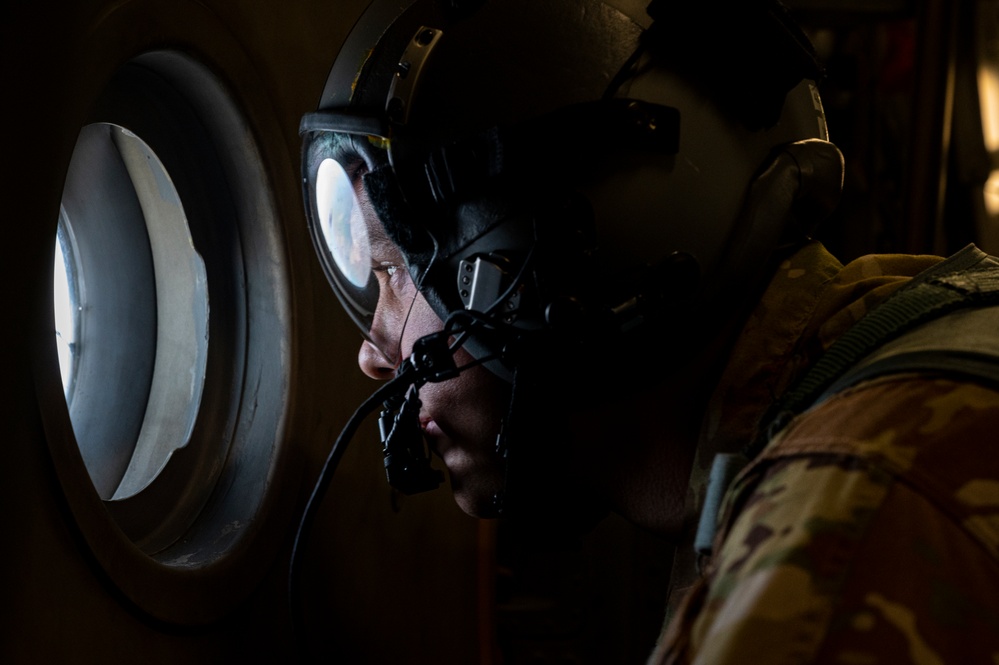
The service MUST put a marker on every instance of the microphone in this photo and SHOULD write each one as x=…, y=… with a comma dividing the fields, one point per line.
x=407, y=458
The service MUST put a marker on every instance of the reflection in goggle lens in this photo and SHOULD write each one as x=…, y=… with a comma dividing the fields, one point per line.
x=341, y=222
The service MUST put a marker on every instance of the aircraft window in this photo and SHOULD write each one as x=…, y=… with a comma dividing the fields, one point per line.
x=172, y=321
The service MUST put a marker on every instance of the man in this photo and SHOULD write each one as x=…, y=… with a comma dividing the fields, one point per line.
x=576, y=237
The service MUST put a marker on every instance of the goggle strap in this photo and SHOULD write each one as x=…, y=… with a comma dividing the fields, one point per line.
x=344, y=123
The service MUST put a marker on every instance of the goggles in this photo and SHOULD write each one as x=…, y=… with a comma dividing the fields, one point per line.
x=352, y=249
x=343, y=152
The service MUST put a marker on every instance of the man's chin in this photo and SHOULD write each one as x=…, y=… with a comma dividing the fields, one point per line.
x=478, y=499
x=478, y=502
x=475, y=482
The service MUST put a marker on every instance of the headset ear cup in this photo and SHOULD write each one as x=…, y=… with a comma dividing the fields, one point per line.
x=794, y=192
x=820, y=172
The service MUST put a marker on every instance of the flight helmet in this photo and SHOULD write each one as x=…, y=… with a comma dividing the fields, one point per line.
x=570, y=179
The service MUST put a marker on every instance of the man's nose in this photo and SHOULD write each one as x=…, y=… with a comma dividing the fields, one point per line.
x=374, y=363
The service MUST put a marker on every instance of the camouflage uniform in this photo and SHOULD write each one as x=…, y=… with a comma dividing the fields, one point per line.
x=868, y=529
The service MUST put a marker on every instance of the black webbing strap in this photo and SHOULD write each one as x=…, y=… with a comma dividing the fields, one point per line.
x=968, y=279
x=964, y=343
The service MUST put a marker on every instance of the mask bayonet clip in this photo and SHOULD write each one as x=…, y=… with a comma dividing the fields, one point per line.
x=407, y=461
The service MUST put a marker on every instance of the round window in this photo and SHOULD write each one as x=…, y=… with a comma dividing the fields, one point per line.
x=172, y=330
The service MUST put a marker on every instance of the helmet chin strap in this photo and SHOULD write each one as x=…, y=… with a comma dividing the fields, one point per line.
x=540, y=497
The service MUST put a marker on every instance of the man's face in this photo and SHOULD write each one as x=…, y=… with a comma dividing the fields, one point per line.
x=460, y=417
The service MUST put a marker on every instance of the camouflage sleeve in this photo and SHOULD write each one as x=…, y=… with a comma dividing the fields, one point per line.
x=868, y=533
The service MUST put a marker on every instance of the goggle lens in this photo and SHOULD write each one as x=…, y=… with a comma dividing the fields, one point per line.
x=341, y=223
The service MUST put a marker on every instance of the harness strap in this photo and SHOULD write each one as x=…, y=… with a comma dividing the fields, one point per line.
x=968, y=279
x=963, y=343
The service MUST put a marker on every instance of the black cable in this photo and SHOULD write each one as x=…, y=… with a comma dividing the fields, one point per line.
x=397, y=385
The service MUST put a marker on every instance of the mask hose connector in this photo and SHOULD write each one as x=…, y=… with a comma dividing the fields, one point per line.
x=407, y=460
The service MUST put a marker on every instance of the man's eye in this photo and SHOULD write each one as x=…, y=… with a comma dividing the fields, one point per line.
x=355, y=168
x=388, y=268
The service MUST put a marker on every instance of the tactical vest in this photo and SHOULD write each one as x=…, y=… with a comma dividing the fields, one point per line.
x=944, y=322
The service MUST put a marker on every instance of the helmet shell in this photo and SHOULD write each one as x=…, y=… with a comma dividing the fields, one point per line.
x=504, y=62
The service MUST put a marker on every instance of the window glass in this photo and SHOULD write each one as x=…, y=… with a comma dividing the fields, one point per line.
x=172, y=329
x=134, y=345
x=65, y=301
